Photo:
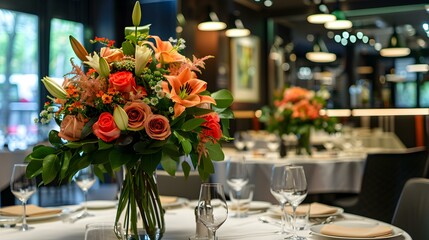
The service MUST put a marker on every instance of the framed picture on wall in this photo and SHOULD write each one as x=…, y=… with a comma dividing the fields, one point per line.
x=245, y=65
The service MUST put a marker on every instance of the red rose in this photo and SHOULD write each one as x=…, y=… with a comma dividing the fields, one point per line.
x=138, y=113
x=122, y=81
x=157, y=127
x=105, y=128
x=211, y=128
x=71, y=128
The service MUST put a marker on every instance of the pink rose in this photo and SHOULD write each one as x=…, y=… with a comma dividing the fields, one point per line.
x=71, y=128
x=111, y=54
x=105, y=128
x=157, y=127
x=211, y=128
x=138, y=113
x=122, y=81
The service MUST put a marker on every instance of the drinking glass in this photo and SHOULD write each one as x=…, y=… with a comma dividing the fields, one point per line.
x=212, y=209
x=277, y=186
x=295, y=191
x=104, y=231
x=22, y=187
x=239, y=142
x=237, y=178
x=85, y=178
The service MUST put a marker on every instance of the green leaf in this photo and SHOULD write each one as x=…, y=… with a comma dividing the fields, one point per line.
x=226, y=114
x=50, y=168
x=151, y=161
x=223, y=98
x=187, y=146
x=141, y=29
x=215, y=151
x=196, y=111
x=54, y=139
x=128, y=48
x=99, y=172
x=87, y=129
x=66, y=162
x=118, y=158
x=103, y=145
x=168, y=164
x=41, y=152
x=192, y=124
x=100, y=156
x=74, y=144
x=34, y=168
x=186, y=169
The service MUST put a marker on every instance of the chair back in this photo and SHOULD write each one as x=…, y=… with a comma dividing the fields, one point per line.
x=179, y=186
x=412, y=211
x=385, y=175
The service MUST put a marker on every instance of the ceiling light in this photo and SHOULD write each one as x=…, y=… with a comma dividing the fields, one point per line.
x=340, y=23
x=212, y=23
x=417, y=68
x=320, y=53
x=395, y=47
x=321, y=16
x=237, y=28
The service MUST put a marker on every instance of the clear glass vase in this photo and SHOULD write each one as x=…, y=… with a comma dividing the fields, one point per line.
x=139, y=206
x=303, y=146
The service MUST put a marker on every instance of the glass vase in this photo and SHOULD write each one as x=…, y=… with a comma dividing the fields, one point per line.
x=303, y=146
x=139, y=206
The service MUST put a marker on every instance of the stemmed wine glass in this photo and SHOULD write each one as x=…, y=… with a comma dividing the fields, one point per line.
x=239, y=142
x=85, y=178
x=277, y=186
x=237, y=178
x=22, y=187
x=212, y=209
x=295, y=191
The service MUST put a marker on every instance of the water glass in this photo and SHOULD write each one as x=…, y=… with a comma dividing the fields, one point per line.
x=85, y=178
x=104, y=231
x=240, y=201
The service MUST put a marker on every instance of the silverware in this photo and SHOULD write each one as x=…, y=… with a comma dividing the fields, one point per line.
x=269, y=221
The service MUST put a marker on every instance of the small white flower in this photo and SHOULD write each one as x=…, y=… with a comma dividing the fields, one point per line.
x=171, y=109
x=160, y=95
x=146, y=100
x=36, y=120
x=158, y=88
x=154, y=101
x=43, y=113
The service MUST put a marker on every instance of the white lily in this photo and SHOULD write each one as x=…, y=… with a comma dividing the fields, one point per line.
x=143, y=54
x=94, y=62
x=54, y=88
x=120, y=117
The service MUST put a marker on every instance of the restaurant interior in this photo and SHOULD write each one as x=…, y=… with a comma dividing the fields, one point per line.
x=370, y=76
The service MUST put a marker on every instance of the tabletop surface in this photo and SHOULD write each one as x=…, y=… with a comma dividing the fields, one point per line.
x=180, y=224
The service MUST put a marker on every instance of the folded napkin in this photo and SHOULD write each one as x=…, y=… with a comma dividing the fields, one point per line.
x=31, y=211
x=168, y=199
x=356, y=232
x=315, y=209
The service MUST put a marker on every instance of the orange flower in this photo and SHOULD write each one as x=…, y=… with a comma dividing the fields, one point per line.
x=184, y=91
x=295, y=94
x=165, y=52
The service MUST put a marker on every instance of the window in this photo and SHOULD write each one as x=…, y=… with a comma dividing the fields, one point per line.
x=19, y=78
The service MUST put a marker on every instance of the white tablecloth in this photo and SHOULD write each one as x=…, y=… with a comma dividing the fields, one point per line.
x=180, y=225
x=326, y=173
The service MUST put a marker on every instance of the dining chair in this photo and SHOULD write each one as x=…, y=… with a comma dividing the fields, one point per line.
x=385, y=174
x=412, y=211
x=178, y=185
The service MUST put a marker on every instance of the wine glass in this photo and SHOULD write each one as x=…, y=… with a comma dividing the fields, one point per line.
x=295, y=191
x=212, y=209
x=273, y=142
x=277, y=186
x=239, y=142
x=237, y=178
x=85, y=178
x=22, y=187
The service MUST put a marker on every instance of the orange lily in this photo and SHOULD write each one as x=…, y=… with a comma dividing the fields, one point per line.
x=185, y=89
x=165, y=52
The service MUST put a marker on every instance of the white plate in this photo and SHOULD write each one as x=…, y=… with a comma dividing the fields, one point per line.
x=100, y=204
x=179, y=203
x=315, y=230
x=275, y=212
x=44, y=217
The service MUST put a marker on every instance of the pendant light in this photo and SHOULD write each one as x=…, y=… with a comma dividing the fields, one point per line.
x=341, y=22
x=321, y=15
x=236, y=28
x=395, y=47
x=212, y=22
x=320, y=53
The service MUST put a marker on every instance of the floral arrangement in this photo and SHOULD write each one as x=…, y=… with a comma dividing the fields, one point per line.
x=296, y=110
x=139, y=106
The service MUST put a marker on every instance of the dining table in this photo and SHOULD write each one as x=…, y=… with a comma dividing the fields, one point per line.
x=180, y=225
x=326, y=171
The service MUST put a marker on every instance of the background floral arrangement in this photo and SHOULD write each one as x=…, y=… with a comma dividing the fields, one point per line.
x=137, y=106
x=296, y=110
